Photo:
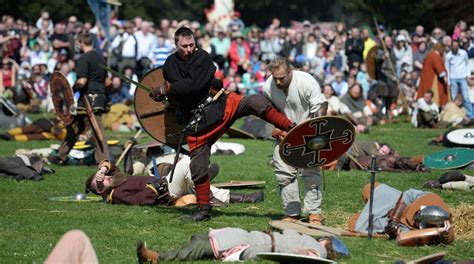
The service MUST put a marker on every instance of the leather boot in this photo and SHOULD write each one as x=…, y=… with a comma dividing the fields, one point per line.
x=203, y=213
x=256, y=197
x=432, y=184
x=315, y=219
x=56, y=160
x=145, y=255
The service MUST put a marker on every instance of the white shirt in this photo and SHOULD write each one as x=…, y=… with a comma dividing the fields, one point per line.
x=129, y=46
x=424, y=106
x=304, y=96
x=457, y=65
x=145, y=47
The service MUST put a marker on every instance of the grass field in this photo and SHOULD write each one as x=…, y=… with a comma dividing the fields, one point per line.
x=30, y=225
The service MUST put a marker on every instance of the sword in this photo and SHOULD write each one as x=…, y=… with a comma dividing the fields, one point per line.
x=95, y=125
x=125, y=78
x=370, y=228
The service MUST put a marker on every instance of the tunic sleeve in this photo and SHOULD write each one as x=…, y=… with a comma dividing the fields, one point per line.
x=312, y=94
x=438, y=65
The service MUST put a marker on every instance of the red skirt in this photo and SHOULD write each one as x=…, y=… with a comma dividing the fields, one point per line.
x=213, y=133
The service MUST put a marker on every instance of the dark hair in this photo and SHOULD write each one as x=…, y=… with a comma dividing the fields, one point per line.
x=85, y=38
x=430, y=92
x=390, y=147
x=182, y=32
x=89, y=184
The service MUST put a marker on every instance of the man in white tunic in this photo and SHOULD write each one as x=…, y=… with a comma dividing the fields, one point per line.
x=298, y=95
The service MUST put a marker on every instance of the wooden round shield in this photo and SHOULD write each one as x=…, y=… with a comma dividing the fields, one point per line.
x=63, y=98
x=156, y=118
x=240, y=184
x=371, y=63
x=449, y=158
x=317, y=142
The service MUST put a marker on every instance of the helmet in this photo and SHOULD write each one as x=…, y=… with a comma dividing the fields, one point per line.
x=432, y=216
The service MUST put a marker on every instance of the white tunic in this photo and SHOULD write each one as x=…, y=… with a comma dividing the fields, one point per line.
x=304, y=96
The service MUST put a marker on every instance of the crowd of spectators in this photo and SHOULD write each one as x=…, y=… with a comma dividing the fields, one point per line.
x=341, y=59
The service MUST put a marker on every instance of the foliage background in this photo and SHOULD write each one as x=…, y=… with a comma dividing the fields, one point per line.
x=392, y=13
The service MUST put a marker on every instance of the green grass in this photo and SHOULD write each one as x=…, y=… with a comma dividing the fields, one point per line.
x=30, y=225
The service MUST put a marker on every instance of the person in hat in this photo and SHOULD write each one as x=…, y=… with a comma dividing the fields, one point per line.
x=235, y=244
x=403, y=55
x=298, y=95
x=189, y=77
x=395, y=214
x=120, y=188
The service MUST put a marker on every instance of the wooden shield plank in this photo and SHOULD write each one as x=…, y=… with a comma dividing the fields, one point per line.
x=156, y=118
x=371, y=63
x=317, y=142
x=305, y=228
x=240, y=184
x=239, y=133
x=62, y=96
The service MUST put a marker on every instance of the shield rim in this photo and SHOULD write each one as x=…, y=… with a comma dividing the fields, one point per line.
x=295, y=258
x=69, y=119
x=452, y=134
x=140, y=121
x=430, y=157
x=351, y=127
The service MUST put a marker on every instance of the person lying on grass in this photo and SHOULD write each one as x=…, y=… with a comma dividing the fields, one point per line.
x=235, y=244
x=120, y=188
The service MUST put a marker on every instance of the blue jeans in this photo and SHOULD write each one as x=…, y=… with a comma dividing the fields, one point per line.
x=460, y=85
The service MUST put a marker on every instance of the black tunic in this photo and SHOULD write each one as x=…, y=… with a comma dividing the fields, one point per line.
x=88, y=67
x=190, y=79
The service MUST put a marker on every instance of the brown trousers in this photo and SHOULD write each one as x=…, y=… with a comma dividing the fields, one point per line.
x=75, y=129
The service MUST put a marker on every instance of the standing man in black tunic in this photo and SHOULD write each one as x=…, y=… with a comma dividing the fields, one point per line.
x=189, y=75
x=90, y=83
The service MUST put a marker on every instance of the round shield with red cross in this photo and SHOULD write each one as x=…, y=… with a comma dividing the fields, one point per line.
x=317, y=142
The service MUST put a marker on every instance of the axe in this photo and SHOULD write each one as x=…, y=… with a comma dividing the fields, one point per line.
x=129, y=146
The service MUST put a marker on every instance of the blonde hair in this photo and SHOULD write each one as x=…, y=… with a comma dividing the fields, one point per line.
x=279, y=61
